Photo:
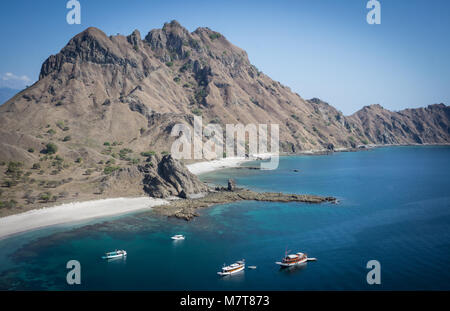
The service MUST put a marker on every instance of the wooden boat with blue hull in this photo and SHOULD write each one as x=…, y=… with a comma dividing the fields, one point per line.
x=115, y=254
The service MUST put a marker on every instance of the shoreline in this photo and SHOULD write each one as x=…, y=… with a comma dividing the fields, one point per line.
x=80, y=211
x=86, y=210
x=73, y=212
x=203, y=167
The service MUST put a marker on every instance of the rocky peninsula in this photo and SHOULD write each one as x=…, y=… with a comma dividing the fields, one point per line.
x=187, y=208
x=168, y=178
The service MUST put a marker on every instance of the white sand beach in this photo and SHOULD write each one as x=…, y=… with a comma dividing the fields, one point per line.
x=79, y=211
x=73, y=212
x=209, y=166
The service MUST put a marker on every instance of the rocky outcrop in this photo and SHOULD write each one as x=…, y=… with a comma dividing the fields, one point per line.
x=188, y=209
x=231, y=184
x=160, y=177
x=164, y=177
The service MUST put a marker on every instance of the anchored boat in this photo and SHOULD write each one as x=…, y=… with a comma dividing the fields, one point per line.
x=178, y=237
x=293, y=259
x=115, y=254
x=233, y=268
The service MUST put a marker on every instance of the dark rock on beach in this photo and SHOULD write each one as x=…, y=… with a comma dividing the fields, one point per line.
x=231, y=185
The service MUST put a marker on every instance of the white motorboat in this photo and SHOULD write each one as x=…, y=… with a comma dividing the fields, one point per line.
x=178, y=237
x=233, y=268
x=293, y=259
x=115, y=254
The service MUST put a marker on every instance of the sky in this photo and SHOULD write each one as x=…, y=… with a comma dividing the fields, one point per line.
x=319, y=48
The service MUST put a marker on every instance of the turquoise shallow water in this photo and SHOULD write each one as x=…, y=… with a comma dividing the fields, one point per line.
x=394, y=207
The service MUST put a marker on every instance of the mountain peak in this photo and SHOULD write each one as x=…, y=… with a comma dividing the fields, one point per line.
x=94, y=32
x=173, y=24
x=376, y=107
x=174, y=27
x=317, y=101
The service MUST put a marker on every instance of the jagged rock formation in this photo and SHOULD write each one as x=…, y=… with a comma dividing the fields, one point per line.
x=170, y=178
x=160, y=177
x=231, y=185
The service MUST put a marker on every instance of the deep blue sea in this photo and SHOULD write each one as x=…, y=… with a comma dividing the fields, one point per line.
x=394, y=207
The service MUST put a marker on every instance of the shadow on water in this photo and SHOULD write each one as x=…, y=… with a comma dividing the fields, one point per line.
x=293, y=269
x=118, y=260
x=237, y=277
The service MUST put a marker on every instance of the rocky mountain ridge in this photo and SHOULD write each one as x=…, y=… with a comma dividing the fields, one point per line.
x=105, y=104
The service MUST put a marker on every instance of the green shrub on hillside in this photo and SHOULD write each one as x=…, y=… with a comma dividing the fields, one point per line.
x=36, y=166
x=8, y=204
x=111, y=161
x=9, y=183
x=147, y=153
x=215, y=36
x=109, y=169
x=14, y=168
x=45, y=196
x=134, y=161
x=296, y=118
x=51, y=148
x=60, y=124
x=197, y=111
x=186, y=67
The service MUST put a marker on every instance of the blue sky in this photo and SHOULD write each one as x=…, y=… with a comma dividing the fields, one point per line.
x=319, y=48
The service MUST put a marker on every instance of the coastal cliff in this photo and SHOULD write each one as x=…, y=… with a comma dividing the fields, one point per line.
x=105, y=104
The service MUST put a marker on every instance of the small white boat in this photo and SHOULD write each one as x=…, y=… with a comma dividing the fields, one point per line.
x=293, y=259
x=115, y=254
x=233, y=268
x=252, y=267
x=178, y=237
